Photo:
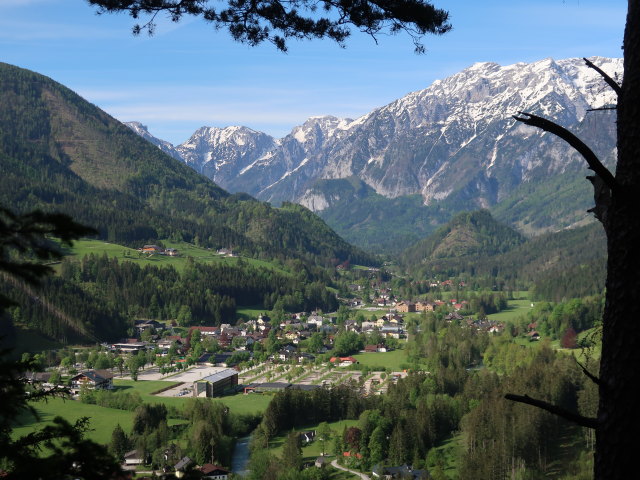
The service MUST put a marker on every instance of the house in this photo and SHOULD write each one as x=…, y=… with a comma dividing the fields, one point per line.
x=142, y=325
x=307, y=437
x=93, y=379
x=134, y=457
x=391, y=331
x=152, y=249
x=370, y=348
x=403, y=471
x=406, y=307
x=215, y=472
x=172, y=252
x=37, y=377
x=425, y=306
x=209, y=331
x=321, y=462
x=343, y=361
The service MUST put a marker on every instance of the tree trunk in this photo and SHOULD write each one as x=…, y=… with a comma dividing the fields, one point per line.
x=619, y=412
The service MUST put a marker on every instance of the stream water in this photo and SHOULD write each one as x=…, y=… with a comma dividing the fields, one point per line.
x=240, y=456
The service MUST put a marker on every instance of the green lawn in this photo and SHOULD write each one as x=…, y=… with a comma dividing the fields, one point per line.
x=515, y=309
x=392, y=359
x=102, y=419
x=238, y=403
x=250, y=312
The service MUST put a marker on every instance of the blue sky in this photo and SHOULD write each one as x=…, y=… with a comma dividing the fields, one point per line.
x=188, y=75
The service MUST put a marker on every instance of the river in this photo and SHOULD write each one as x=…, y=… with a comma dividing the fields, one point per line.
x=240, y=456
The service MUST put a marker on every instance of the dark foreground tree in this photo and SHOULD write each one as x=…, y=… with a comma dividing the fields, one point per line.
x=617, y=207
x=59, y=450
x=276, y=21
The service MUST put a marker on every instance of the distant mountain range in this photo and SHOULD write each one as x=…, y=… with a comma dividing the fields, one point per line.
x=454, y=144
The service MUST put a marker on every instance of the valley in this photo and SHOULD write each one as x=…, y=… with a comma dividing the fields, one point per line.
x=195, y=318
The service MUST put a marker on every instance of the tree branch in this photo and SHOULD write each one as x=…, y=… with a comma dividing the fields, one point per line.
x=590, y=375
x=556, y=410
x=552, y=127
x=610, y=81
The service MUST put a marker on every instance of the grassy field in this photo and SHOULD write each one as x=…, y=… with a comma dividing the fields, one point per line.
x=314, y=449
x=98, y=247
x=102, y=419
x=446, y=455
x=238, y=403
x=250, y=312
x=392, y=359
x=515, y=309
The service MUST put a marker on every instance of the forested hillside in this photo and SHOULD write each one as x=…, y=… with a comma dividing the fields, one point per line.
x=555, y=266
x=58, y=152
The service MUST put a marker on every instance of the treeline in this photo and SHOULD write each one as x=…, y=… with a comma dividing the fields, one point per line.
x=64, y=311
x=504, y=439
x=292, y=408
x=209, y=292
x=554, y=319
x=97, y=297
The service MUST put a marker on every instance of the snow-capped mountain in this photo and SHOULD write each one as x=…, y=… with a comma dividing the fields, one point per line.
x=456, y=138
x=143, y=131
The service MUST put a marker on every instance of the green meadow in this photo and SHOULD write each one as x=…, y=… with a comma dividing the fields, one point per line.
x=102, y=420
x=392, y=360
x=186, y=250
x=515, y=309
x=238, y=403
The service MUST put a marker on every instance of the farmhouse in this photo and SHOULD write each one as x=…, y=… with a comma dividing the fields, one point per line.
x=152, y=249
x=93, y=379
x=343, y=361
x=214, y=472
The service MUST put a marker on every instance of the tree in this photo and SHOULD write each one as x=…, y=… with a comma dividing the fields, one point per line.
x=616, y=206
x=253, y=22
x=292, y=451
x=118, y=362
x=23, y=246
x=119, y=442
x=55, y=378
x=324, y=435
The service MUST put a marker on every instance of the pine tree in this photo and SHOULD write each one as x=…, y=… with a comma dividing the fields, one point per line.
x=119, y=442
x=292, y=451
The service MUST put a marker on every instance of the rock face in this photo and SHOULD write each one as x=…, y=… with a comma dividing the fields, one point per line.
x=453, y=140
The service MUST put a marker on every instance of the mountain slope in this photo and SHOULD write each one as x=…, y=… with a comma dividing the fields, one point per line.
x=59, y=152
x=475, y=247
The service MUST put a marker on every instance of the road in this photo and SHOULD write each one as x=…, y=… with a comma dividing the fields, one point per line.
x=340, y=467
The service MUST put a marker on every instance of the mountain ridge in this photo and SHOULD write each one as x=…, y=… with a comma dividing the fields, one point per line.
x=453, y=141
